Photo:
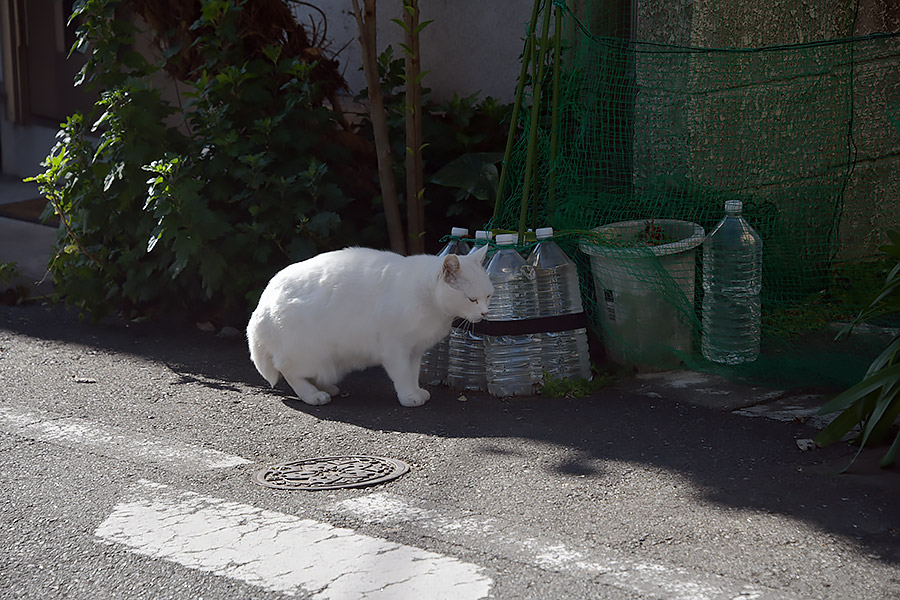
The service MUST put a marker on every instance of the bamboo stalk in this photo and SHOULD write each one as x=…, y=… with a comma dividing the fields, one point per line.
x=536, y=88
x=367, y=39
x=415, y=209
x=534, y=180
x=554, y=122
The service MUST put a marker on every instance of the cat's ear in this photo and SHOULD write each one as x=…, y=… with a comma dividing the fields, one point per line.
x=450, y=269
x=480, y=253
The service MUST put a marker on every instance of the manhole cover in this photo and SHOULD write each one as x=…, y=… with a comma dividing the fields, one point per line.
x=331, y=473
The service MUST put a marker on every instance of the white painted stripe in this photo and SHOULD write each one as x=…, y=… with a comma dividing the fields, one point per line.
x=283, y=553
x=601, y=564
x=114, y=442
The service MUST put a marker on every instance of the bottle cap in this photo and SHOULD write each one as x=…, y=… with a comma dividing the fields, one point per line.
x=506, y=239
x=543, y=233
x=733, y=206
x=482, y=235
x=459, y=232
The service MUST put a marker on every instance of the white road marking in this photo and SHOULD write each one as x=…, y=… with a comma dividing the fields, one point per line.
x=603, y=565
x=283, y=553
x=113, y=442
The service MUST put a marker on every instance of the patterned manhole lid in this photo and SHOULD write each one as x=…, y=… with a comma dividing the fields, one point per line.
x=331, y=473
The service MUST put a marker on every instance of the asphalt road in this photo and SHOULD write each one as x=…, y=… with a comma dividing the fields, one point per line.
x=127, y=454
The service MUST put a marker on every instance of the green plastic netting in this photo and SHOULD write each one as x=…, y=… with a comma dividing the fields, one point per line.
x=660, y=112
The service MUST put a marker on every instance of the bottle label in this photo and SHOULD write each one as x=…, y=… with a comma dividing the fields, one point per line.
x=553, y=324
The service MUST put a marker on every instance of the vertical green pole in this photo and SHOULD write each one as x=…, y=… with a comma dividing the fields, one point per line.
x=554, y=123
x=534, y=180
x=517, y=105
x=532, y=134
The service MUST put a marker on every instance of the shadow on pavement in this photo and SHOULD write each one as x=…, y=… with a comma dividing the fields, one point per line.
x=735, y=461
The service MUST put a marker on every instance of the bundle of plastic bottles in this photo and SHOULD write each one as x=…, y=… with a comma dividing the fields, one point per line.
x=535, y=328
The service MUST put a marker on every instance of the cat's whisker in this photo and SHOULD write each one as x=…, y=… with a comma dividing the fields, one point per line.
x=467, y=326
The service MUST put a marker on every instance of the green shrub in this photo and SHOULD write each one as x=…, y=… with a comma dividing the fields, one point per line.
x=189, y=210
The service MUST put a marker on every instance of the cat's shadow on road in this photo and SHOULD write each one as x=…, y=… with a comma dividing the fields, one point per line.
x=731, y=460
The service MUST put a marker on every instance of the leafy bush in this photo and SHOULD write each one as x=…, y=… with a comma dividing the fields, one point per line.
x=187, y=210
x=874, y=403
x=190, y=210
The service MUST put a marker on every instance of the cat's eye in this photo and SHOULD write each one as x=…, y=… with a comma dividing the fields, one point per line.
x=473, y=299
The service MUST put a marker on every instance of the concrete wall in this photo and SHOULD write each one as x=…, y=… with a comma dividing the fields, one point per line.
x=872, y=202
x=775, y=125
x=473, y=46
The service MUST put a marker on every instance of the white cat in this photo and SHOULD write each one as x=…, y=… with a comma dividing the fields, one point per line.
x=355, y=308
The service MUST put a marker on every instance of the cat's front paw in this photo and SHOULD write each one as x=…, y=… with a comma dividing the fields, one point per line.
x=317, y=399
x=331, y=390
x=417, y=398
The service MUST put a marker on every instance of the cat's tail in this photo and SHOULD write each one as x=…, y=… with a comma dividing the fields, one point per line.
x=262, y=359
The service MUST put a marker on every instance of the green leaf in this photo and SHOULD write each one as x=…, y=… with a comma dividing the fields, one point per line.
x=874, y=421
x=401, y=24
x=475, y=173
x=212, y=270
x=887, y=411
x=891, y=456
x=862, y=389
x=423, y=25
x=114, y=173
x=839, y=427
x=154, y=239
x=272, y=52
x=322, y=223
x=888, y=356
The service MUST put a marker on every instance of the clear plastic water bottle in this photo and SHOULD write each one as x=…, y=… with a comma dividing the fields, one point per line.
x=436, y=360
x=456, y=245
x=732, y=279
x=513, y=361
x=466, y=366
x=564, y=354
x=481, y=238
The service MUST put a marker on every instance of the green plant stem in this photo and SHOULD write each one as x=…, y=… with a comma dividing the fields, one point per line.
x=415, y=210
x=554, y=123
x=536, y=88
x=365, y=21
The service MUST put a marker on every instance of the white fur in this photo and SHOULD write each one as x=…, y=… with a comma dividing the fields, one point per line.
x=355, y=308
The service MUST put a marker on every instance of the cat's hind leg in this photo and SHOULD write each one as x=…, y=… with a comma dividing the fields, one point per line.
x=306, y=391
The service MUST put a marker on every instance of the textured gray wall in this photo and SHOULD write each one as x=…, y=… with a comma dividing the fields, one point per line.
x=790, y=110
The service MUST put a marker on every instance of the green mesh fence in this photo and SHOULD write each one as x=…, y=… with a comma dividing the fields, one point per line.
x=657, y=113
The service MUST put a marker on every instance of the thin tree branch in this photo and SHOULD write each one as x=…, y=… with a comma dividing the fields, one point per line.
x=367, y=39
